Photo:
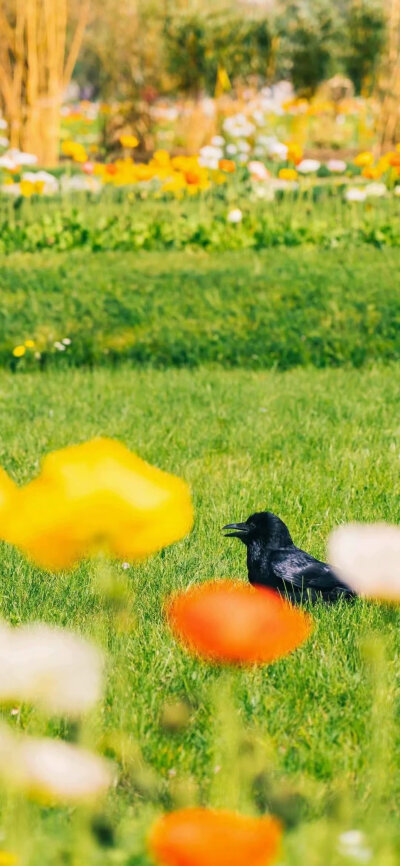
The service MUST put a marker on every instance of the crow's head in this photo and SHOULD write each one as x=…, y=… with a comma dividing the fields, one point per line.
x=263, y=527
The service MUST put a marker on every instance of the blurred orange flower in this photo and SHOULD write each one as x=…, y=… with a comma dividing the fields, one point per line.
x=227, y=165
x=204, y=837
x=232, y=622
x=372, y=172
x=92, y=497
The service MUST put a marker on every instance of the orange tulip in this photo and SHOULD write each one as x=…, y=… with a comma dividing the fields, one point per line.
x=203, y=837
x=233, y=622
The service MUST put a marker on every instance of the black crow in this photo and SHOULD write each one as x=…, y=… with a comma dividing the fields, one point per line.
x=273, y=560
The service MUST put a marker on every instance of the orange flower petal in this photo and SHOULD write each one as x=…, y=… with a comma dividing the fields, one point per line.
x=234, y=622
x=203, y=837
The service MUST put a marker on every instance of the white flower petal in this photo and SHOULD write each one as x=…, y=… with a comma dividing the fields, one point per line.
x=50, y=666
x=368, y=558
x=52, y=770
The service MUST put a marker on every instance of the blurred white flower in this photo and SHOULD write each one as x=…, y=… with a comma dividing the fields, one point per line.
x=258, y=170
x=52, y=770
x=218, y=141
x=397, y=190
x=235, y=216
x=354, y=193
x=232, y=149
x=50, y=666
x=352, y=844
x=276, y=148
x=210, y=156
x=243, y=146
x=21, y=158
x=4, y=142
x=258, y=116
x=59, y=346
x=66, y=341
x=238, y=126
x=307, y=166
x=336, y=165
x=8, y=163
x=11, y=188
x=3, y=123
x=81, y=183
x=368, y=558
x=264, y=191
x=376, y=190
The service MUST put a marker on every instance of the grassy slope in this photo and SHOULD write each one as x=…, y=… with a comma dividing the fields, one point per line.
x=319, y=448
x=278, y=308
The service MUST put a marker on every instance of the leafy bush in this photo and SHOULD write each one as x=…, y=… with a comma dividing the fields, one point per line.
x=280, y=309
x=198, y=45
x=365, y=26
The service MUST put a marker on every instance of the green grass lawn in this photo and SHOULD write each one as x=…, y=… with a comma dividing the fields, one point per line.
x=318, y=447
x=260, y=310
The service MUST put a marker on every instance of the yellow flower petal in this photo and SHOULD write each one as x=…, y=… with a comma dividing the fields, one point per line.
x=96, y=496
x=18, y=351
x=29, y=344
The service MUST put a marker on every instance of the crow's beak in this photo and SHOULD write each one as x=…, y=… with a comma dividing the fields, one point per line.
x=241, y=530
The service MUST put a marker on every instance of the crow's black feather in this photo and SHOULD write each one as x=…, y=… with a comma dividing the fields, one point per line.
x=273, y=560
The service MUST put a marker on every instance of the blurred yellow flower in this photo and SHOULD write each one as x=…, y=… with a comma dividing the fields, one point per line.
x=29, y=344
x=294, y=152
x=364, y=158
x=29, y=188
x=7, y=858
x=129, y=140
x=287, y=174
x=91, y=497
x=372, y=172
x=18, y=351
x=74, y=150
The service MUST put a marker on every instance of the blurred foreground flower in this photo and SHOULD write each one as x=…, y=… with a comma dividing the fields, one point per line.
x=368, y=557
x=49, y=666
x=51, y=770
x=233, y=622
x=129, y=141
x=90, y=497
x=203, y=837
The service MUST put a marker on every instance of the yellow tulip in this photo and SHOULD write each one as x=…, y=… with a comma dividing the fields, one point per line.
x=91, y=497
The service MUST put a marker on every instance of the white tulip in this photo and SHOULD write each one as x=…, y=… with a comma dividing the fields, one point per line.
x=50, y=666
x=367, y=556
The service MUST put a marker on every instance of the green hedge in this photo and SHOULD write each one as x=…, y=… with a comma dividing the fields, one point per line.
x=281, y=308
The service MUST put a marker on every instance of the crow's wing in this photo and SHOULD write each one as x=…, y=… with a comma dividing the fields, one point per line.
x=304, y=572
